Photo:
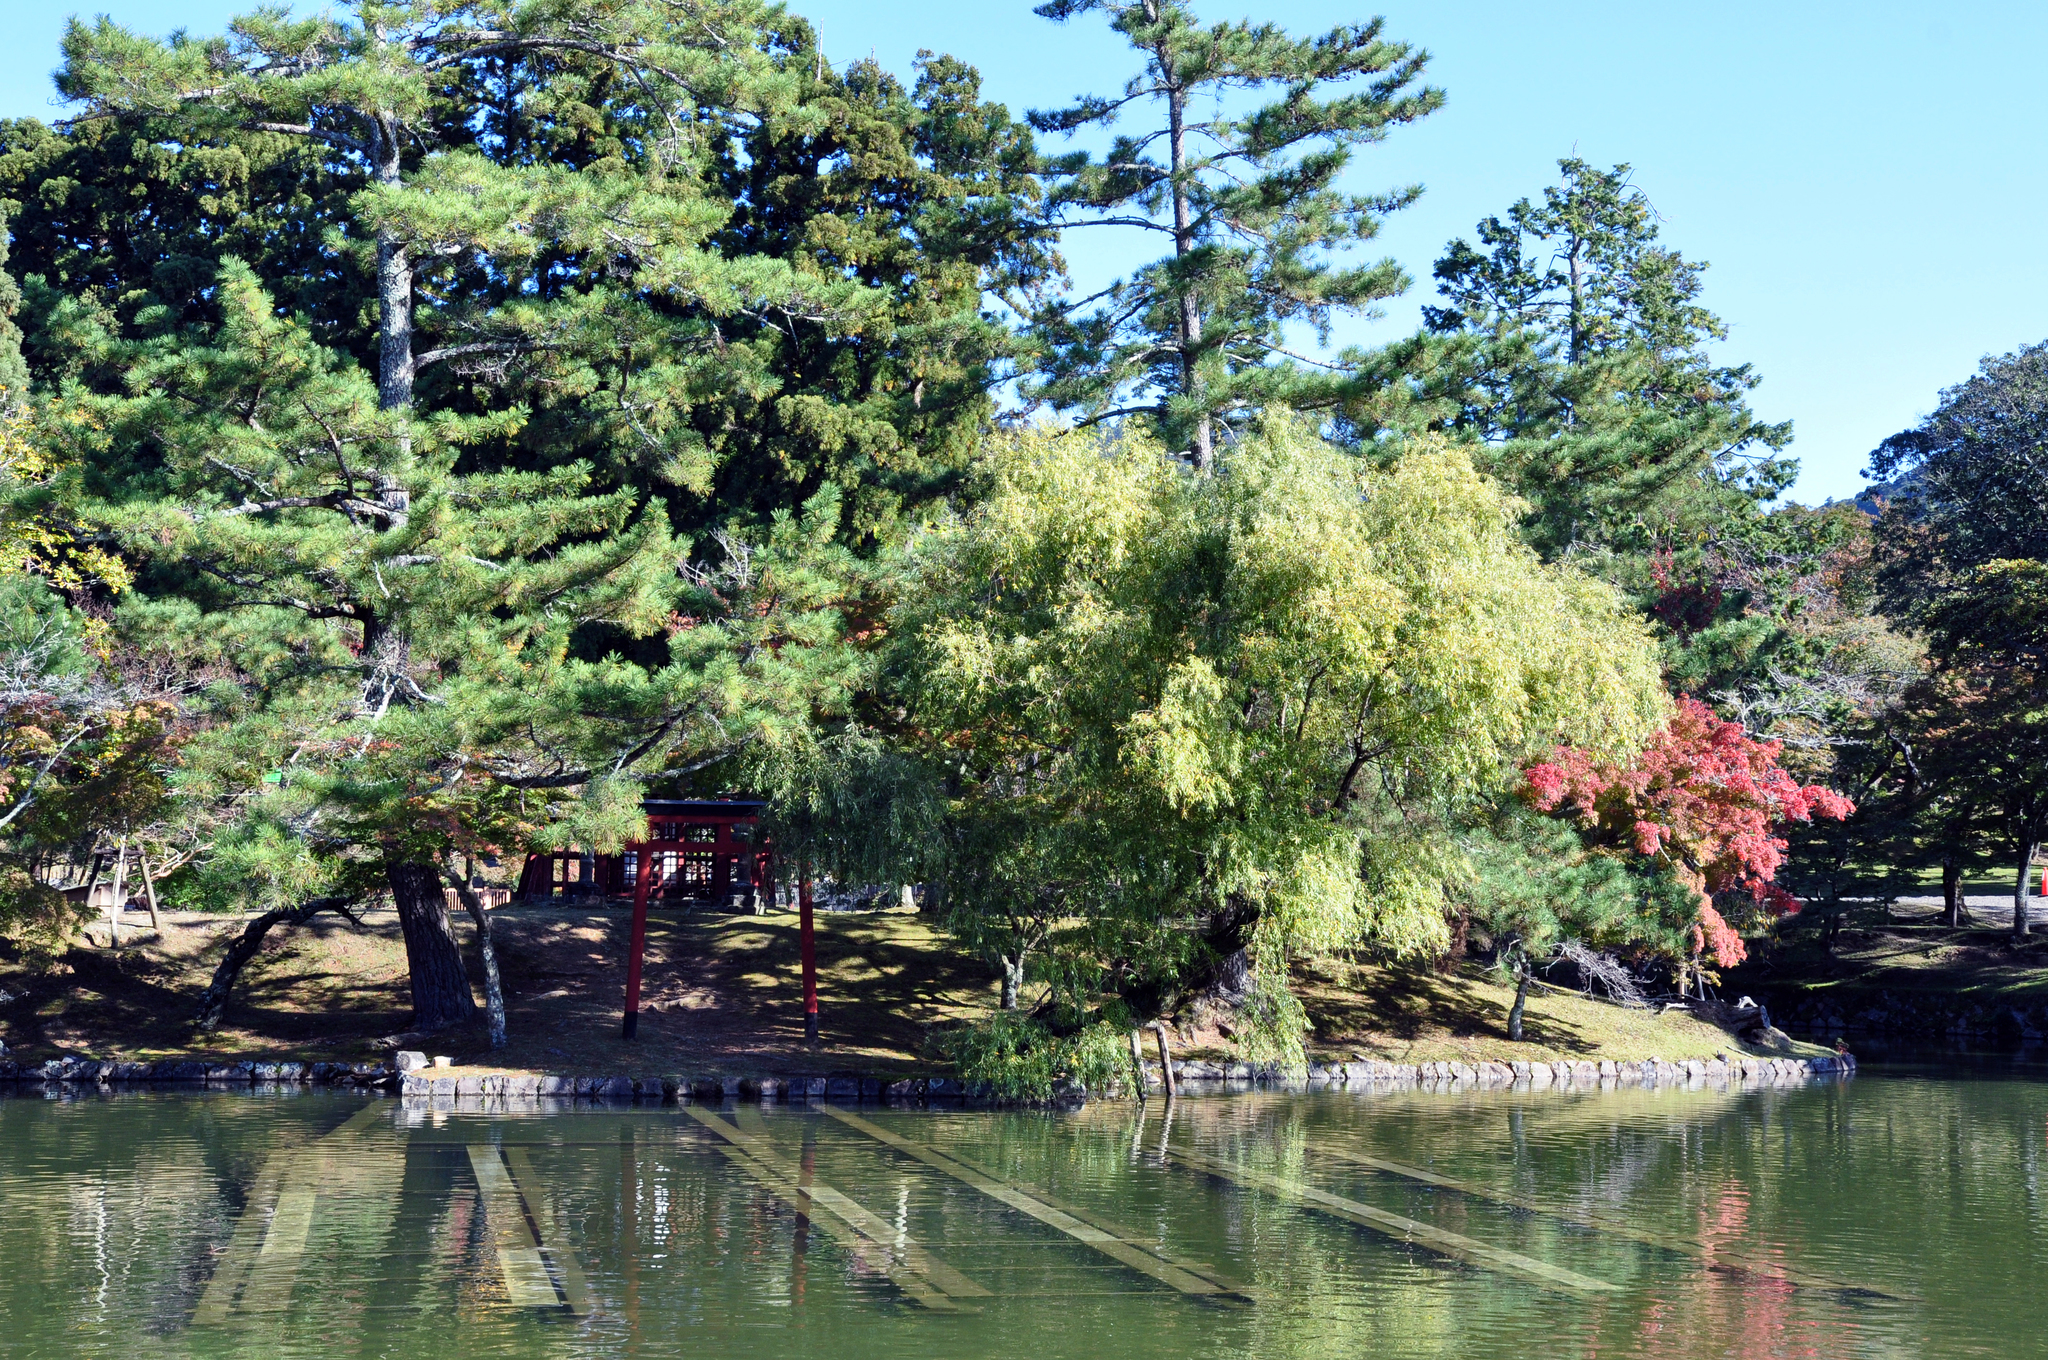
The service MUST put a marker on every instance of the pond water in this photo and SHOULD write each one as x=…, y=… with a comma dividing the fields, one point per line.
x=1898, y=1213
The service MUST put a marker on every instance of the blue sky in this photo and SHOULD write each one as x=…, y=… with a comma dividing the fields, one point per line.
x=1866, y=179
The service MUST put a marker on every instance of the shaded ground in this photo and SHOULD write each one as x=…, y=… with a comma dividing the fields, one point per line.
x=721, y=993
x=1905, y=948
x=721, y=997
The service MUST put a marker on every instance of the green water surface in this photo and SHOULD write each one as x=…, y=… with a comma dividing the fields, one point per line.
x=1895, y=1214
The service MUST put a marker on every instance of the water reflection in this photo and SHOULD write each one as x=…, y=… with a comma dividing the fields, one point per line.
x=1888, y=1215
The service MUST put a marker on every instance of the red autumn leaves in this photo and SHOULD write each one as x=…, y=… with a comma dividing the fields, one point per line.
x=1702, y=800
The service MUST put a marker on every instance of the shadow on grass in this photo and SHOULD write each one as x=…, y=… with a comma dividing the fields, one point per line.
x=1414, y=1005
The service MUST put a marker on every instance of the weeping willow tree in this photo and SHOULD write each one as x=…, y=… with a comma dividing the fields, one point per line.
x=1201, y=726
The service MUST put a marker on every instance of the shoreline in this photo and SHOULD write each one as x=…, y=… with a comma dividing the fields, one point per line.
x=1192, y=1077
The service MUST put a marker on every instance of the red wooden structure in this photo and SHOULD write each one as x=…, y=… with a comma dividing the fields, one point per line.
x=699, y=850
x=707, y=850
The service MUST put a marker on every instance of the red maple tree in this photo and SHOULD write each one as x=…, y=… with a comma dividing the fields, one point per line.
x=1702, y=800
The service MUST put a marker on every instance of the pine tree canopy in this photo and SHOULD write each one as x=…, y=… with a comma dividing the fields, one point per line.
x=1590, y=379
x=1250, y=205
x=498, y=401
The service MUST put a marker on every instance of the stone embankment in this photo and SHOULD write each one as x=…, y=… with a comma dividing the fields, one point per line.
x=412, y=1077
x=1584, y=1072
x=94, y=1072
x=1928, y=1017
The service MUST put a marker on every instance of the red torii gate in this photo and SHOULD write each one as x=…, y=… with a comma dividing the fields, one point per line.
x=706, y=846
x=707, y=842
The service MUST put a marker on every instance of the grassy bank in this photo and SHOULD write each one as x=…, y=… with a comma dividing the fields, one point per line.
x=721, y=995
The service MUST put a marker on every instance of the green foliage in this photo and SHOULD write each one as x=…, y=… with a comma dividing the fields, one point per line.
x=1248, y=199
x=1535, y=884
x=1016, y=1058
x=1163, y=701
x=1967, y=483
x=1589, y=376
x=1979, y=720
x=703, y=262
x=501, y=401
x=1954, y=760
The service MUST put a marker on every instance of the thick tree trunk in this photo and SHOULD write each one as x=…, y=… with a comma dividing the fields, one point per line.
x=2028, y=844
x=1515, y=1011
x=494, y=992
x=440, y=984
x=1013, y=978
x=1461, y=941
x=213, y=1002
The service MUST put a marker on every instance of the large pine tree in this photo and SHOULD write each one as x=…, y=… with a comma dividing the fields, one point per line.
x=1589, y=373
x=1229, y=147
x=464, y=404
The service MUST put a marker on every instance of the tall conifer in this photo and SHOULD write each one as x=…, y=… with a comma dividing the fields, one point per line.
x=1247, y=196
x=439, y=619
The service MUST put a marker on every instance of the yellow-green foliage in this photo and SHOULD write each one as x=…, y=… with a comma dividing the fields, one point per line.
x=1229, y=688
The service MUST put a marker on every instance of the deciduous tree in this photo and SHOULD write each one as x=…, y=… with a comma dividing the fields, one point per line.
x=1702, y=803
x=1159, y=699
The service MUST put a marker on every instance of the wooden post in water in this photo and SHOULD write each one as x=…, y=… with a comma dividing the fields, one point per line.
x=1165, y=1061
x=808, y=944
x=1138, y=1063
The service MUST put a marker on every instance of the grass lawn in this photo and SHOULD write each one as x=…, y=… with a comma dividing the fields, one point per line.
x=1416, y=1015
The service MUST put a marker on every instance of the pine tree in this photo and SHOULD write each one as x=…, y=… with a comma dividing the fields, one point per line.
x=1249, y=200
x=1589, y=377
x=434, y=616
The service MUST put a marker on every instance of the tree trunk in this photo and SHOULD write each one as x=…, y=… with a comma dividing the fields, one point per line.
x=1189, y=309
x=395, y=367
x=1013, y=978
x=2019, y=886
x=148, y=889
x=1461, y=939
x=1951, y=891
x=440, y=984
x=807, y=949
x=1515, y=1011
x=213, y=1002
x=494, y=992
x=120, y=900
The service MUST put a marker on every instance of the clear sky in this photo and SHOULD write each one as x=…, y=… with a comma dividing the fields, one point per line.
x=1866, y=179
